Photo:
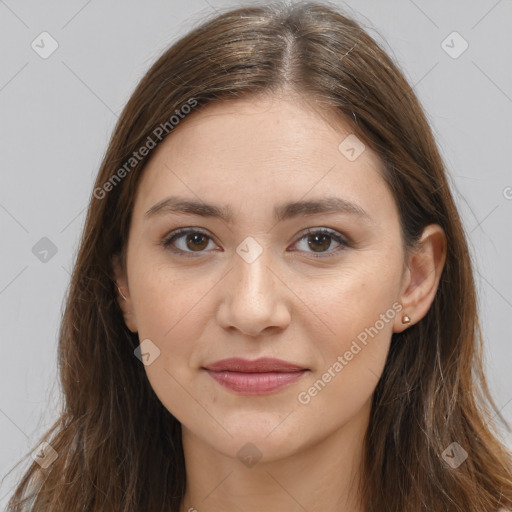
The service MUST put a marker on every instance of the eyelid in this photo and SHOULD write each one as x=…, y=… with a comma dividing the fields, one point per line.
x=323, y=230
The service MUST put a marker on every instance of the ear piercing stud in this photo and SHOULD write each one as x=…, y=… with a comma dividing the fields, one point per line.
x=406, y=319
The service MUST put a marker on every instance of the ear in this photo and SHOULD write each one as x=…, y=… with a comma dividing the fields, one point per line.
x=422, y=276
x=123, y=293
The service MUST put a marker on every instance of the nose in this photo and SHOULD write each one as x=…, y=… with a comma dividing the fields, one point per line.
x=254, y=298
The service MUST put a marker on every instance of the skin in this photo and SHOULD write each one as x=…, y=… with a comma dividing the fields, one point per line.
x=252, y=155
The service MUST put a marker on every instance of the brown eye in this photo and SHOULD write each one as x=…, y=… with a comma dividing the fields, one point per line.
x=196, y=241
x=187, y=240
x=193, y=241
x=319, y=242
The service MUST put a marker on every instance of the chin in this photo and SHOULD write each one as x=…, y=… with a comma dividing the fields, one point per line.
x=268, y=440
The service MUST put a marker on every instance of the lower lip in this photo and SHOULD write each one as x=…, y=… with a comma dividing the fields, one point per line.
x=255, y=383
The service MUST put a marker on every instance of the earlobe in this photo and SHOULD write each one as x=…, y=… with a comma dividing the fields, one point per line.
x=123, y=295
x=119, y=278
x=422, y=277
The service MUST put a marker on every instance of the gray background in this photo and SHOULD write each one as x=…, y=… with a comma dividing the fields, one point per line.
x=56, y=115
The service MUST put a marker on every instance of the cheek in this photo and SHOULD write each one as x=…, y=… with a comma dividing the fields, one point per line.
x=351, y=356
x=172, y=314
x=357, y=311
x=353, y=298
x=168, y=299
x=173, y=310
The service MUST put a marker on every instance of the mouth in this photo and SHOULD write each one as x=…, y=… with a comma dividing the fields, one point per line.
x=261, y=376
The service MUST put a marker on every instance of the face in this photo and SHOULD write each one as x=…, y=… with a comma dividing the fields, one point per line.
x=314, y=285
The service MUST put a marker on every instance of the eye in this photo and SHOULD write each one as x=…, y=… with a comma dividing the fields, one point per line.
x=187, y=241
x=194, y=241
x=321, y=239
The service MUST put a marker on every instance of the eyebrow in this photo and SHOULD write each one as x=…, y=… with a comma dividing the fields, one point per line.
x=285, y=211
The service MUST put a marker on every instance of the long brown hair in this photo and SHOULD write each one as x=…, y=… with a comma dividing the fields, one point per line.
x=118, y=448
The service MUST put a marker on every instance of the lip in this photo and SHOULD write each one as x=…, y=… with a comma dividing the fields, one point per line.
x=261, y=365
x=258, y=377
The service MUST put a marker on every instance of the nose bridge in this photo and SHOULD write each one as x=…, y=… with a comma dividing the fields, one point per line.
x=252, y=274
x=253, y=299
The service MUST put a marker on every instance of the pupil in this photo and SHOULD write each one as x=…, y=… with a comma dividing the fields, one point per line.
x=323, y=237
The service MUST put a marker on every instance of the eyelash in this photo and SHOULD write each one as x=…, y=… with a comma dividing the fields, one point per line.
x=171, y=237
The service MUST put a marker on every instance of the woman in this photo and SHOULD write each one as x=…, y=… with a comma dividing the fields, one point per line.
x=273, y=306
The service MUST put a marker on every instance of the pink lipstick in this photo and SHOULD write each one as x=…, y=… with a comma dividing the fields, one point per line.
x=257, y=377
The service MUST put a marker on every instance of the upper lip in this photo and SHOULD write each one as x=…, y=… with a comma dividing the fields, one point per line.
x=262, y=365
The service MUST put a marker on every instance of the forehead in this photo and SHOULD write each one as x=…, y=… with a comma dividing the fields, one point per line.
x=260, y=128
x=261, y=148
